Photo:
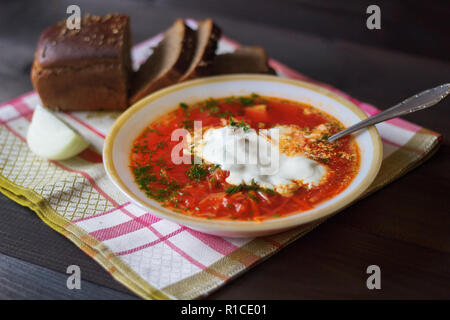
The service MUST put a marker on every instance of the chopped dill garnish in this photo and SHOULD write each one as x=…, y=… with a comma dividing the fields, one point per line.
x=230, y=100
x=159, y=133
x=214, y=110
x=242, y=187
x=241, y=124
x=143, y=176
x=159, y=162
x=224, y=114
x=197, y=172
x=188, y=124
x=211, y=105
x=162, y=194
x=245, y=101
x=214, y=168
x=185, y=108
x=324, y=160
x=161, y=145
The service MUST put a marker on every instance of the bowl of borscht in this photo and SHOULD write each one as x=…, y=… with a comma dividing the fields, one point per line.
x=241, y=155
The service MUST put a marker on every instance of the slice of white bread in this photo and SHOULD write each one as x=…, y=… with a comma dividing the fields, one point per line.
x=206, y=37
x=251, y=59
x=169, y=61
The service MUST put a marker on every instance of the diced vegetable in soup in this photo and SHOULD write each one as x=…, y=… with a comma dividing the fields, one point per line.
x=243, y=158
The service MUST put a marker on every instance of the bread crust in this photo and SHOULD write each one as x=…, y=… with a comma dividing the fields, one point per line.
x=86, y=69
x=97, y=87
x=201, y=67
x=143, y=83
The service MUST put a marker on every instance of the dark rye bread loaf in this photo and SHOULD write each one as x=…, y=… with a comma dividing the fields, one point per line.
x=85, y=69
x=169, y=61
x=206, y=37
x=251, y=59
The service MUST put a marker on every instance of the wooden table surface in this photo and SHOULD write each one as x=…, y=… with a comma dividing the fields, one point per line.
x=403, y=228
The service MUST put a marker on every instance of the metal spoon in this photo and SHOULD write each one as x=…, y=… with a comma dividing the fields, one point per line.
x=415, y=103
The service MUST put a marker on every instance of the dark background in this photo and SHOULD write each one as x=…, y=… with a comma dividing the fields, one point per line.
x=403, y=228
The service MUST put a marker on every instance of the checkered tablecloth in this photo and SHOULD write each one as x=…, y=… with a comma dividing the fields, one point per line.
x=155, y=258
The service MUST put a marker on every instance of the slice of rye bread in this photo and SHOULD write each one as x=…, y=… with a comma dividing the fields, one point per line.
x=169, y=61
x=251, y=59
x=206, y=37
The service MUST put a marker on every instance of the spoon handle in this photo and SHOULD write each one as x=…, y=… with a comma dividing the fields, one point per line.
x=415, y=103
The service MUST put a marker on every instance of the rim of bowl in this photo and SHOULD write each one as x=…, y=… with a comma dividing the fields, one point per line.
x=290, y=221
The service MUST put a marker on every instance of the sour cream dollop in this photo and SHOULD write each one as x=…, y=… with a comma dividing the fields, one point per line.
x=254, y=157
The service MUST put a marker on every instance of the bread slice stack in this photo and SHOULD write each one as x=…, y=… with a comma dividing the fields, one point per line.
x=95, y=62
x=206, y=37
x=167, y=64
x=182, y=54
x=185, y=54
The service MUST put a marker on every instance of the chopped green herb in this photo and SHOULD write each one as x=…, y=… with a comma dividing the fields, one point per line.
x=187, y=124
x=197, y=172
x=214, y=110
x=253, y=186
x=163, y=194
x=143, y=176
x=245, y=101
x=215, y=181
x=185, y=108
x=224, y=114
x=241, y=124
x=234, y=189
x=138, y=171
x=161, y=145
x=175, y=203
x=214, y=168
x=141, y=148
x=230, y=100
x=324, y=160
x=159, y=133
x=159, y=162
x=210, y=104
